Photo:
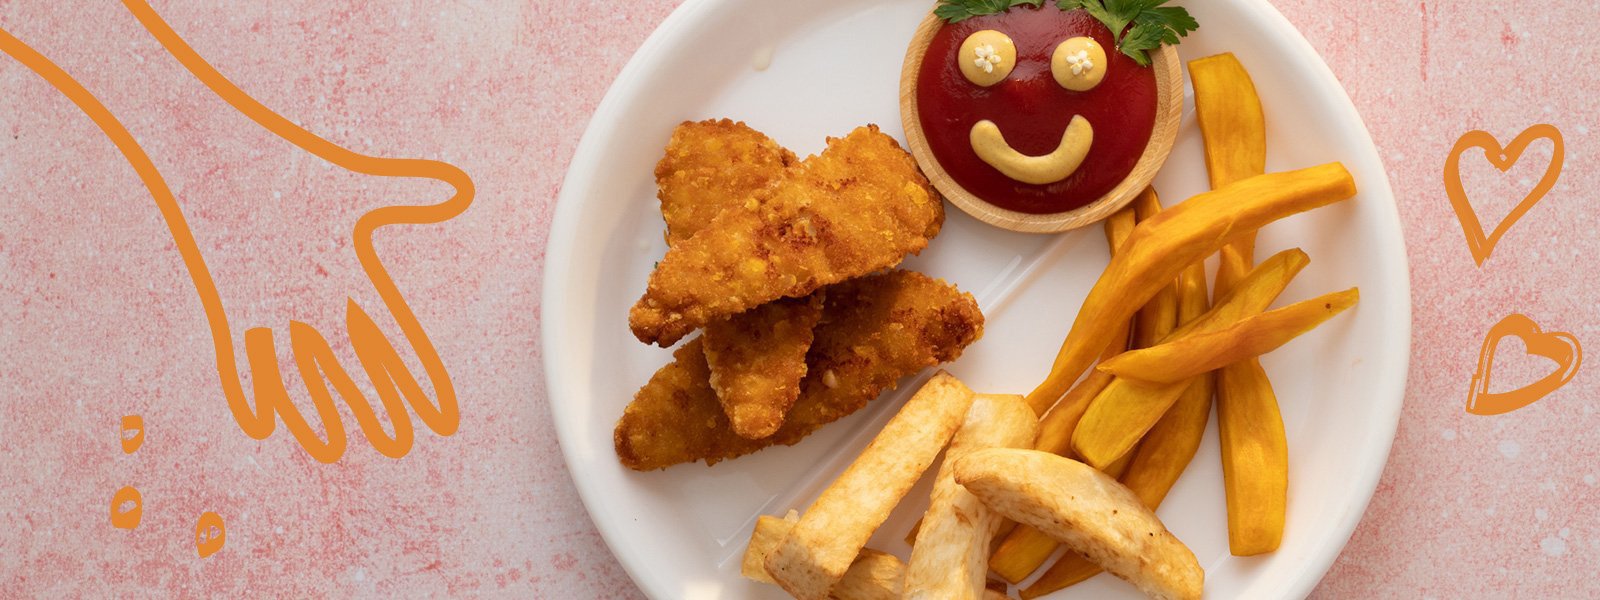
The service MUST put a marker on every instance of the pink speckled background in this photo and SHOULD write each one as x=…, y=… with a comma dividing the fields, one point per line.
x=98, y=318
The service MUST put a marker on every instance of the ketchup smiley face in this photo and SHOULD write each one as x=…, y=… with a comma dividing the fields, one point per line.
x=1032, y=110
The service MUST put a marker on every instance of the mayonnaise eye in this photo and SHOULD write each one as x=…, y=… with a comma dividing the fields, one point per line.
x=987, y=57
x=1079, y=64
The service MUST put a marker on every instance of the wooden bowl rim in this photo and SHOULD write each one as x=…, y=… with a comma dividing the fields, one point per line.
x=1169, y=115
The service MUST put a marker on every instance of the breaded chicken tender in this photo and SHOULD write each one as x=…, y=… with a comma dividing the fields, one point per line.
x=710, y=166
x=874, y=331
x=757, y=360
x=858, y=207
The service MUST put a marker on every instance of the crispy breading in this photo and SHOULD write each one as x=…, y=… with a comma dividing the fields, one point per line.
x=858, y=207
x=757, y=360
x=874, y=331
x=710, y=166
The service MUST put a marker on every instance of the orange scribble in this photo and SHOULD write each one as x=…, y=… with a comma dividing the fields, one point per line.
x=1558, y=346
x=1503, y=159
x=127, y=507
x=319, y=369
x=209, y=534
x=132, y=435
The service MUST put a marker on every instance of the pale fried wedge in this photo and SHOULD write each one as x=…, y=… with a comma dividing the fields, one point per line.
x=950, y=558
x=1086, y=511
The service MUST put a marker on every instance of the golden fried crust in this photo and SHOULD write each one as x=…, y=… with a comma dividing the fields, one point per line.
x=859, y=207
x=757, y=360
x=710, y=166
x=874, y=331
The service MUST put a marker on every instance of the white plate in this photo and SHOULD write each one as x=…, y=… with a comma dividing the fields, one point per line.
x=834, y=65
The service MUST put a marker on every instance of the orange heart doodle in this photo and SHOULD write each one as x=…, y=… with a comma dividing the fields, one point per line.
x=1558, y=346
x=1502, y=159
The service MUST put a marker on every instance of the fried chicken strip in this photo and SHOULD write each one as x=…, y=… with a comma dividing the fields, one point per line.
x=874, y=331
x=757, y=357
x=858, y=207
x=757, y=360
x=711, y=166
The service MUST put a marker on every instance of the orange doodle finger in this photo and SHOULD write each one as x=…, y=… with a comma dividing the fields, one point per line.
x=1558, y=346
x=319, y=370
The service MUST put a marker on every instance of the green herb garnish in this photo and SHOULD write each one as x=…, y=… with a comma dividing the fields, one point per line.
x=1138, y=25
x=1151, y=23
x=956, y=11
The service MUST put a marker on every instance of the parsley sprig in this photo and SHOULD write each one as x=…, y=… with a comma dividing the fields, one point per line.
x=956, y=11
x=1138, y=25
x=1151, y=23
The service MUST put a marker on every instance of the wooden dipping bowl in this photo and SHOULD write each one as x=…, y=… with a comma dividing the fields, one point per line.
x=1169, y=113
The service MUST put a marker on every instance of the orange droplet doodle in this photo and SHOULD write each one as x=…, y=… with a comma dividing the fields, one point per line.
x=1558, y=346
x=1502, y=158
x=127, y=507
x=132, y=433
x=209, y=534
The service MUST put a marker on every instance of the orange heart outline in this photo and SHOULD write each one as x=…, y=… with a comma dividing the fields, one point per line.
x=1558, y=346
x=1501, y=158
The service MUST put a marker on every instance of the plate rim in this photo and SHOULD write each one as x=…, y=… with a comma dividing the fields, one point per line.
x=586, y=157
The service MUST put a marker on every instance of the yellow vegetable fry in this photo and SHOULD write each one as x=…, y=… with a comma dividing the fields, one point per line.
x=1158, y=316
x=1021, y=553
x=1119, y=417
x=1234, y=131
x=950, y=558
x=1177, y=360
x=1232, y=125
x=823, y=544
x=1255, y=459
x=1069, y=570
x=1163, y=246
x=1119, y=226
x=1253, y=295
x=873, y=575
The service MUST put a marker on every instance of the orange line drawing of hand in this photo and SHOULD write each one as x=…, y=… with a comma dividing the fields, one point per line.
x=321, y=373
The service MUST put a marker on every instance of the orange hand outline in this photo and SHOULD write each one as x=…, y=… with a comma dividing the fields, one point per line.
x=314, y=358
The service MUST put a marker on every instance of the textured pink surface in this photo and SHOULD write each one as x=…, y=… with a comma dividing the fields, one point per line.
x=101, y=319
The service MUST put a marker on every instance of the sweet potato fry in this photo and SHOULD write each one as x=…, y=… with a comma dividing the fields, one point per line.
x=1086, y=511
x=1255, y=459
x=951, y=555
x=1159, y=316
x=1234, y=131
x=818, y=551
x=1163, y=246
x=1177, y=360
x=1233, y=128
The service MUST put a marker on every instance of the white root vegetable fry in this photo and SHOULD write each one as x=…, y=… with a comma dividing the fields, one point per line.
x=823, y=544
x=1086, y=511
x=950, y=560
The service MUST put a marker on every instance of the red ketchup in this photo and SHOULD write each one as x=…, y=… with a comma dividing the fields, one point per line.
x=1033, y=111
